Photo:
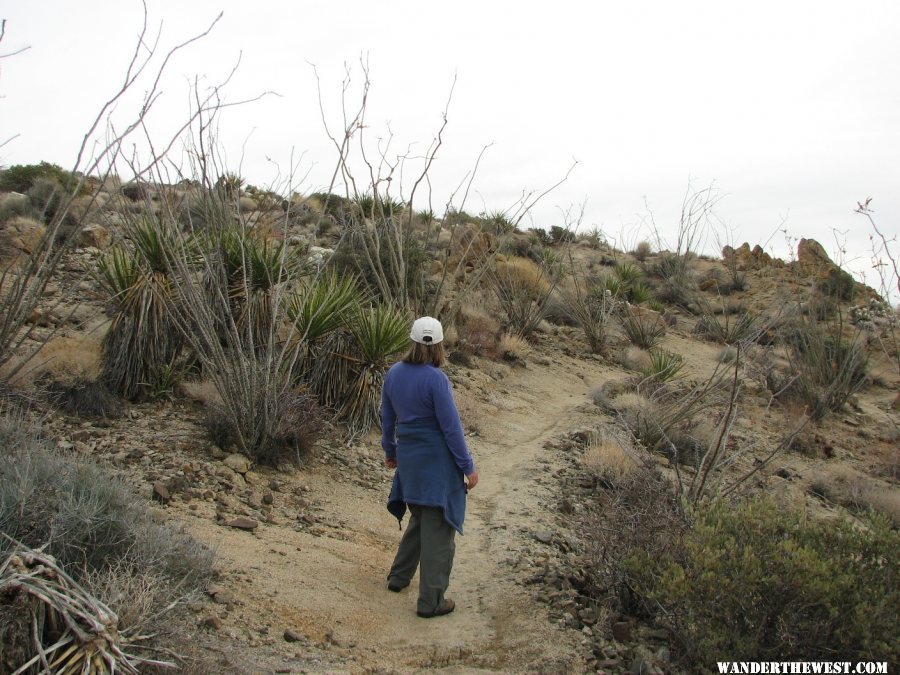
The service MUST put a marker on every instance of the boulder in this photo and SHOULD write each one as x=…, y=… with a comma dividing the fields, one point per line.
x=237, y=462
x=20, y=235
x=243, y=523
x=812, y=259
x=94, y=235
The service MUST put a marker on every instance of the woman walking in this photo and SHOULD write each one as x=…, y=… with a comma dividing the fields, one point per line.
x=423, y=440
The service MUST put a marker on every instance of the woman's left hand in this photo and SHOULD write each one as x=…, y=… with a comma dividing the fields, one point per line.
x=390, y=463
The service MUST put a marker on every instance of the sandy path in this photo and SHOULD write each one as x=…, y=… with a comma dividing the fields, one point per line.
x=332, y=588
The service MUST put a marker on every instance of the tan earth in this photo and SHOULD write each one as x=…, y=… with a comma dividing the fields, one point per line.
x=332, y=589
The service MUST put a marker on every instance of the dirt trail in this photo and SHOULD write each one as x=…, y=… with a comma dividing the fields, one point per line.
x=332, y=588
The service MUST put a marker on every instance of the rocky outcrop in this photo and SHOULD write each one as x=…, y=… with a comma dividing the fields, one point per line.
x=812, y=260
x=744, y=258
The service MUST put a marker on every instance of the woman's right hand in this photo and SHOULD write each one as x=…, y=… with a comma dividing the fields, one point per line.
x=472, y=479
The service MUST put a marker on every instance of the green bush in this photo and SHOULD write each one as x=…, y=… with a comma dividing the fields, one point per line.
x=758, y=581
x=98, y=531
x=21, y=177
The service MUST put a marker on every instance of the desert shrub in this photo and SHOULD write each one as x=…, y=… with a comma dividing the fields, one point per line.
x=727, y=355
x=642, y=251
x=299, y=422
x=592, y=308
x=663, y=366
x=21, y=177
x=606, y=458
x=523, y=289
x=513, y=347
x=727, y=330
x=826, y=368
x=478, y=332
x=640, y=513
x=85, y=398
x=640, y=293
x=561, y=235
x=16, y=205
x=87, y=519
x=350, y=370
x=643, y=328
x=676, y=284
x=758, y=580
x=558, y=310
x=46, y=196
x=136, y=192
x=634, y=358
x=497, y=222
x=627, y=273
x=837, y=284
x=97, y=530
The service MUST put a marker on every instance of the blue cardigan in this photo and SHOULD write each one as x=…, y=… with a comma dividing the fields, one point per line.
x=421, y=429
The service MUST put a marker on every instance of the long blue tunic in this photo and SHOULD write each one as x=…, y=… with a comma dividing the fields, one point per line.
x=422, y=430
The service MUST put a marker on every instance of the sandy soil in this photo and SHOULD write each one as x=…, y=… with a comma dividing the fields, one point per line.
x=332, y=588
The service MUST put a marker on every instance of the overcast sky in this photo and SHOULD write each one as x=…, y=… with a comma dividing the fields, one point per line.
x=789, y=108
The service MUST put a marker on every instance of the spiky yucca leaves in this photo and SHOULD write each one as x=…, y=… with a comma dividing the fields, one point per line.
x=664, y=365
x=252, y=268
x=643, y=328
x=350, y=370
x=142, y=343
x=319, y=307
x=592, y=310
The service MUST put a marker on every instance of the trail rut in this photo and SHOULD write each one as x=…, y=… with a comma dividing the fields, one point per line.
x=332, y=588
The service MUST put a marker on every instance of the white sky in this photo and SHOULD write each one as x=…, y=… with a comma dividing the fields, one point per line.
x=790, y=107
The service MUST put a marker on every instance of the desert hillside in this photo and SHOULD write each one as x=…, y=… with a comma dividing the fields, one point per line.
x=683, y=457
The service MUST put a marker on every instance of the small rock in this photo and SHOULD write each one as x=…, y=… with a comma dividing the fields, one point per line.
x=213, y=622
x=243, y=523
x=237, y=462
x=621, y=631
x=268, y=498
x=161, y=493
x=544, y=536
x=293, y=636
x=81, y=435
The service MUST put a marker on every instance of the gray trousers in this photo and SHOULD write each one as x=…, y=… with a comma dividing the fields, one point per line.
x=427, y=544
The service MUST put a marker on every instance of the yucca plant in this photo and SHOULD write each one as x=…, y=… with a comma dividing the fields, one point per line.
x=664, y=365
x=252, y=268
x=643, y=329
x=320, y=307
x=592, y=311
x=350, y=369
x=640, y=293
x=380, y=333
x=627, y=273
x=142, y=344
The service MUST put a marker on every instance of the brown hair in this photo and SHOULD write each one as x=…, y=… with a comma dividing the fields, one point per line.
x=419, y=353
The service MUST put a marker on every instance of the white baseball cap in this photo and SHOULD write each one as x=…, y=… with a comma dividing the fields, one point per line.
x=427, y=331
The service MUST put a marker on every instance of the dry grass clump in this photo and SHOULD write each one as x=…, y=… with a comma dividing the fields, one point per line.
x=63, y=359
x=642, y=251
x=513, y=347
x=477, y=332
x=635, y=359
x=606, y=458
x=857, y=492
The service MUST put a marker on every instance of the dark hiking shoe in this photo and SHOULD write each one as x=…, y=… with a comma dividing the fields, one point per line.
x=394, y=587
x=446, y=607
